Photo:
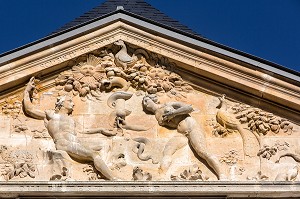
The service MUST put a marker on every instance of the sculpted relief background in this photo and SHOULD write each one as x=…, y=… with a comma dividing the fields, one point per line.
x=123, y=113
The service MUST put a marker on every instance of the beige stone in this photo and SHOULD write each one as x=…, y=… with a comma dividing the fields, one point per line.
x=106, y=117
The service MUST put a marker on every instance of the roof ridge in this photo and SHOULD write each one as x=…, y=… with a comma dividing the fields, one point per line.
x=138, y=7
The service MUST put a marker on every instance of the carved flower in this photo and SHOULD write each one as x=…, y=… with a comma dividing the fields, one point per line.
x=230, y=158
x=193, y=173
x=267, y=151
x=139, y=175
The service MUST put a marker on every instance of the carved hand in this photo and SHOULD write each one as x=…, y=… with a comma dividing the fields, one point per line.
x=169, y=115
x=31, y=85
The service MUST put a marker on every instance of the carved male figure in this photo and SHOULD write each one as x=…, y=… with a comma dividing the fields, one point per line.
x=176, y=115
x=61, y=127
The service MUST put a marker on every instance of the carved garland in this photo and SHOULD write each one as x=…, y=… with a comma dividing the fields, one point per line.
x=122, y=71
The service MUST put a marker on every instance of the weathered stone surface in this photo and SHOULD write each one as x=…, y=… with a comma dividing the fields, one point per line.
x=123, y=112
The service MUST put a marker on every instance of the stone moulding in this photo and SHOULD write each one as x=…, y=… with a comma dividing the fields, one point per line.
x=236, y=75
x=153, y=189
x=152, y=98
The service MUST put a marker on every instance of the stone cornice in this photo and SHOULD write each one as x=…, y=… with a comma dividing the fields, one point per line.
x=153, y=189
x=240, y=77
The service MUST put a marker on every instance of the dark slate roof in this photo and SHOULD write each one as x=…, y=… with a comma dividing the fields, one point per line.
x=137, y=7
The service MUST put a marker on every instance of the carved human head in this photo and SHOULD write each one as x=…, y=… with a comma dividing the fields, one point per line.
x=87, y=70
x=150, y=102
x=65, y=102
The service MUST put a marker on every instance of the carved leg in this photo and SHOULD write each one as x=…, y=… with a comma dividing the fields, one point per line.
x=197, y=140
x=60, y=164
x=80, y=152
x=173, y=145
x=101, y=167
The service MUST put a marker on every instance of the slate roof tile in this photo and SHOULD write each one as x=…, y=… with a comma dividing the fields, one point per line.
x=138, y=7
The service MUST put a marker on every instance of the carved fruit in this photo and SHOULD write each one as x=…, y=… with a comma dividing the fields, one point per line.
x=250, y=115
x=68, y=87
x=177, y=83
x=143, y=69
x=166, y=87
x=152, y=90
x=93, y=86
x=142, y=80
x=274, y=128
x=243, y=120
x=83, y=92
x=110, y=73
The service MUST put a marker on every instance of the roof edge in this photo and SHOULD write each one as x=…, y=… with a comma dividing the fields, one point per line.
x=213, y=46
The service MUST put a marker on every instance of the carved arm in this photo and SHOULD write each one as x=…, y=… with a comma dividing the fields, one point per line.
x=99, y=130
x=28, y=106
x=179, y=109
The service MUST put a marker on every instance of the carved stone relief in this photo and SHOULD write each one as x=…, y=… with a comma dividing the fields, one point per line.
x=123, y=113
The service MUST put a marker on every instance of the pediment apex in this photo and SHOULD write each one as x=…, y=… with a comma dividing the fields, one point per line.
x=200, y=67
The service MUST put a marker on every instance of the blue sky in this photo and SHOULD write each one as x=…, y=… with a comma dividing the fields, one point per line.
x=269, y=29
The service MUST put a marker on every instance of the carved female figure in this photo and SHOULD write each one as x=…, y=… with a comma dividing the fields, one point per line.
x=176, y=115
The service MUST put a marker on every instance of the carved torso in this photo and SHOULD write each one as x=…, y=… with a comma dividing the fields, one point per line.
x=61, y=126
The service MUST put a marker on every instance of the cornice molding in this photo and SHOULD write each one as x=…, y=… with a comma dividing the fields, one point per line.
x=153, y=189
x=240, y=77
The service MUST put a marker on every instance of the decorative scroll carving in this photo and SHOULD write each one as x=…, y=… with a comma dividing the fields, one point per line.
x=92, y=173
x=193, y=173
x=17, y=163
x=139, y=175
x=295, y=156
x=230, y=158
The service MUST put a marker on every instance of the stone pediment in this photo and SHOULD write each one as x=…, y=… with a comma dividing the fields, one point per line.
x=123, y=103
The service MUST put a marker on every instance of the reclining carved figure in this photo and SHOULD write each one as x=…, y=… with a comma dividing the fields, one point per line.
x=61, y=127
x=176, y=115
